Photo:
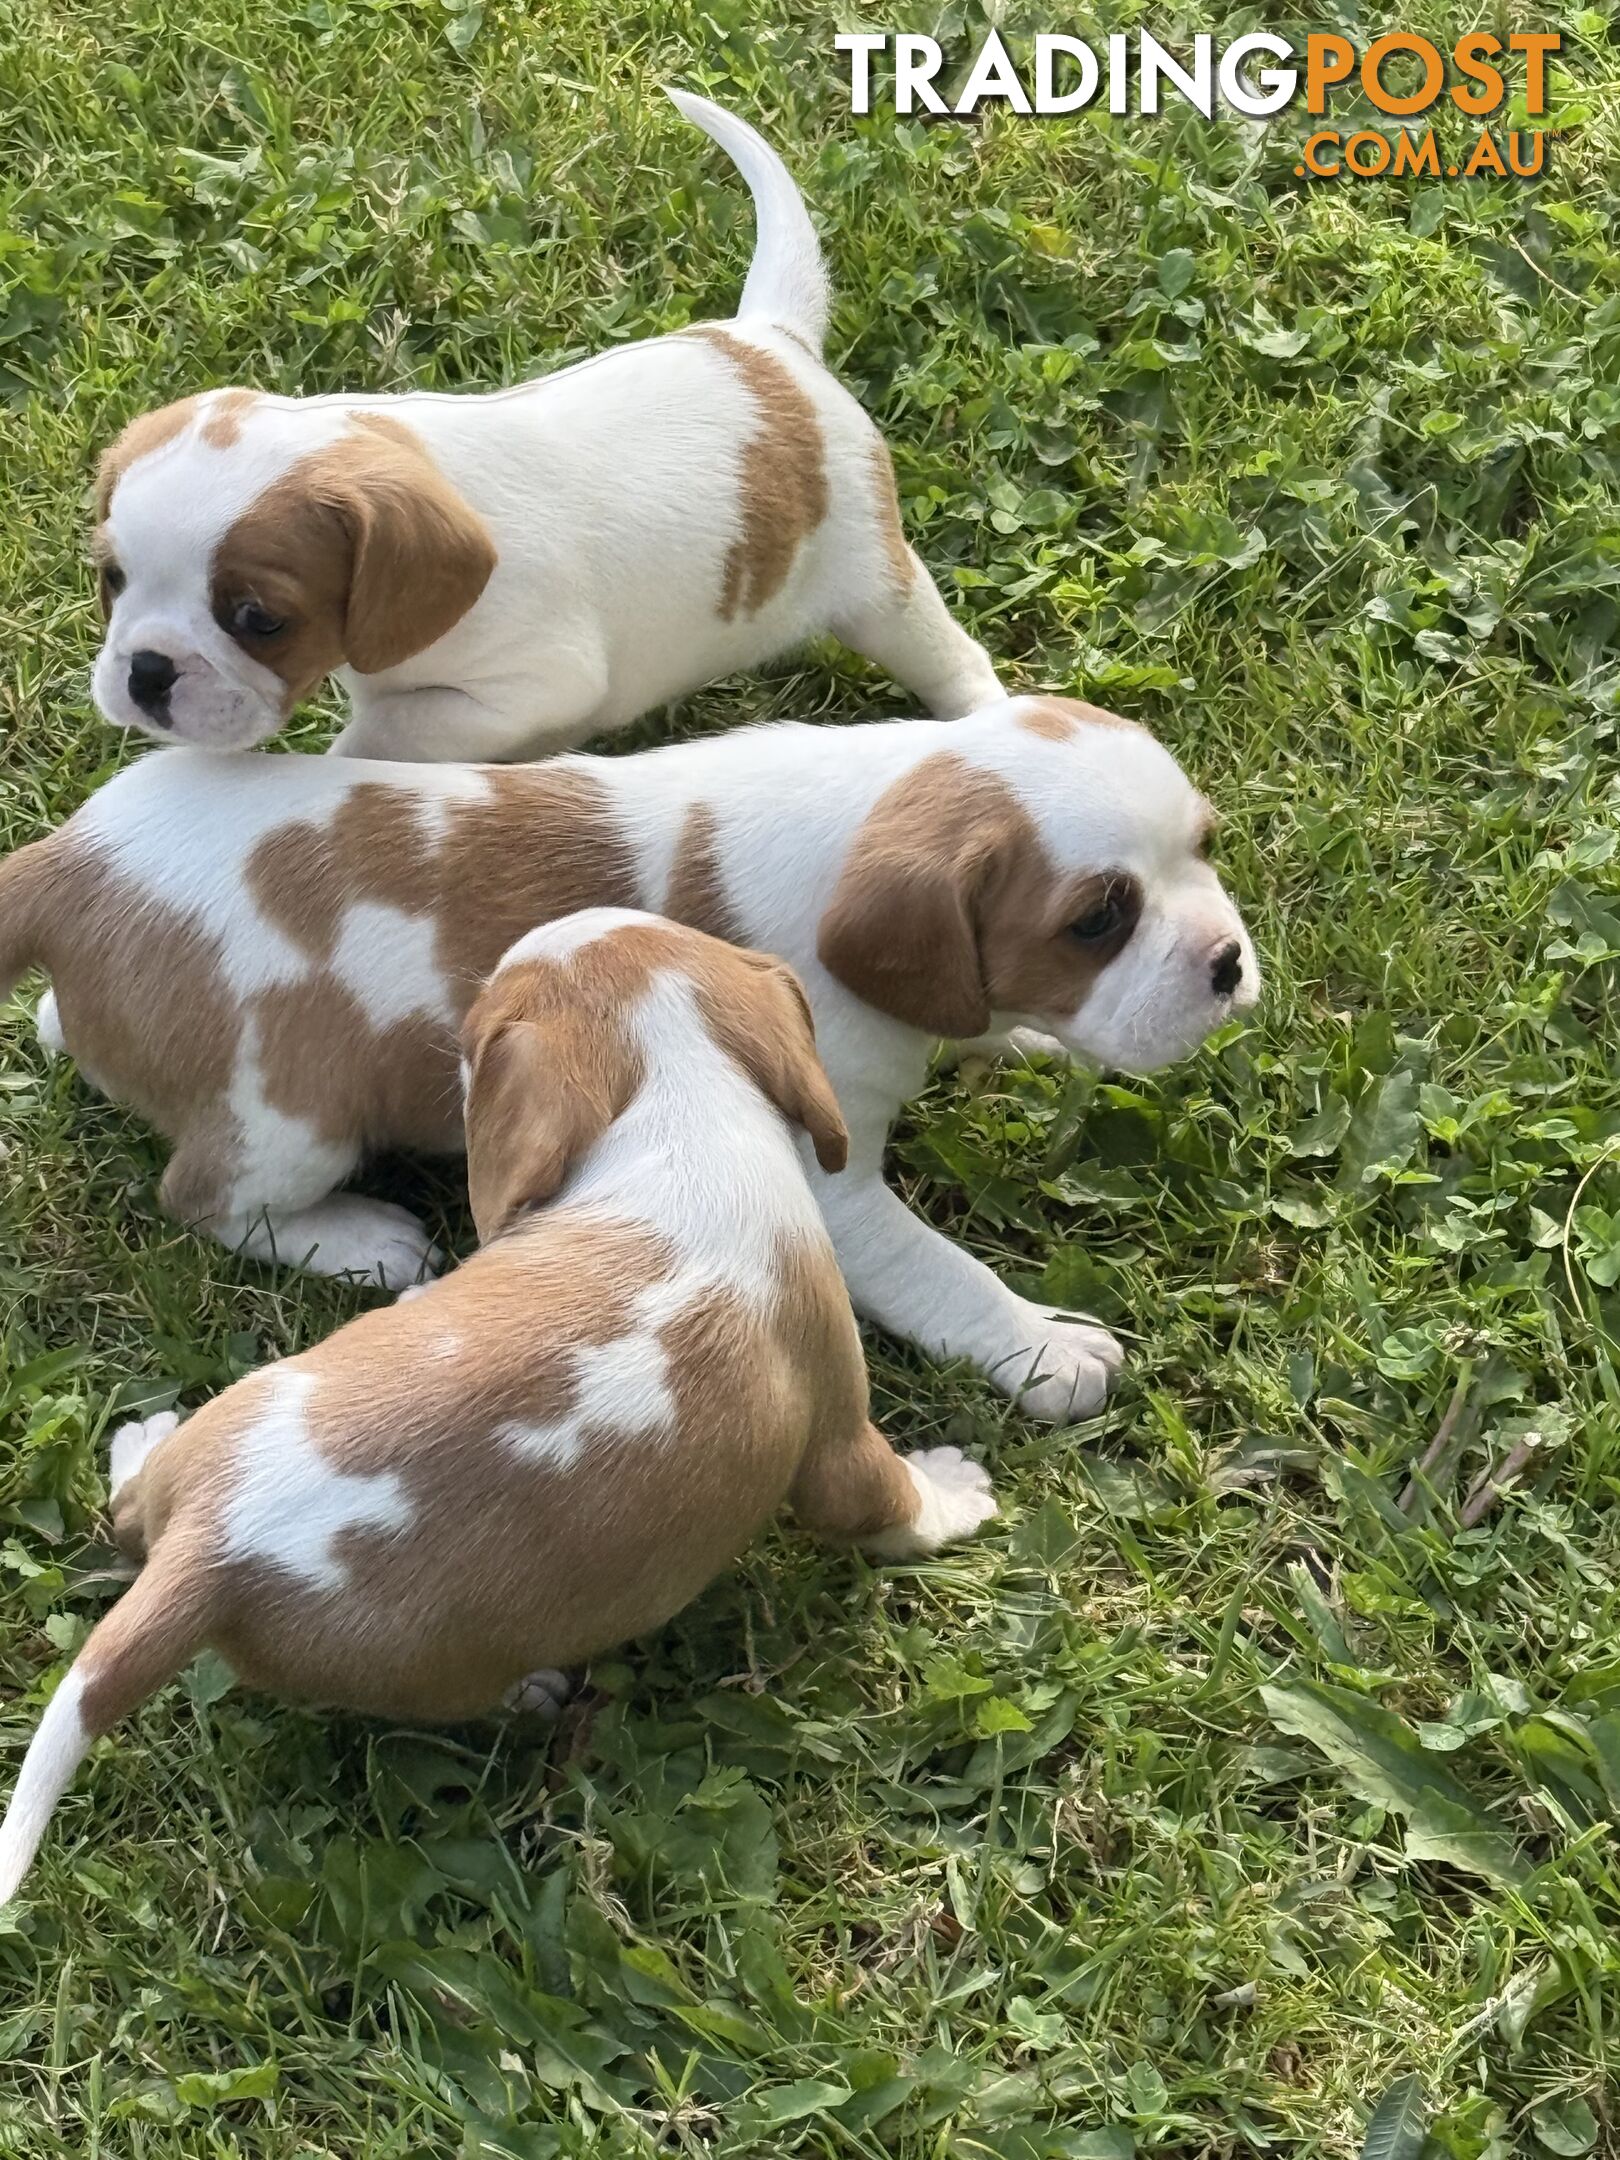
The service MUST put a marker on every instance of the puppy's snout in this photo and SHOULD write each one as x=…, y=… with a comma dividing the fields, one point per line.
x=1226, y=968
x=152, y=676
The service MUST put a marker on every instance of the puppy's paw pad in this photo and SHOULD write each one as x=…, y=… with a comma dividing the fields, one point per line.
x=540, y=1694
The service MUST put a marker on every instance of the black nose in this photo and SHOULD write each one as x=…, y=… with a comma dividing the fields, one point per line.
x=151, y=678
x=1226, y=970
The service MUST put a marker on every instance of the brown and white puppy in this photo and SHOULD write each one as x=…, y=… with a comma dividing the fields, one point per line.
x=268, y=957
x=556, y=1447
x=497, y=576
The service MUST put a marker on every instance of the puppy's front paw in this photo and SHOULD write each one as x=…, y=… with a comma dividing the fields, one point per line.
x=953, y=1494
x=132, y=1443
x=1024, y=1042
x=1065, y=1373
x=540, y=1694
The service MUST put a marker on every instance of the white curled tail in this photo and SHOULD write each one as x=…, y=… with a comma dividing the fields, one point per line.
x=787, y=281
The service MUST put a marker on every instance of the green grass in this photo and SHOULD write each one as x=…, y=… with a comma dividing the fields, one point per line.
x=1208, y=1799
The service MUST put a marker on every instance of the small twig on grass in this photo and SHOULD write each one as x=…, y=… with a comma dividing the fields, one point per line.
x=1444, y=1433
x=1546, y=276
x=1493, y=1483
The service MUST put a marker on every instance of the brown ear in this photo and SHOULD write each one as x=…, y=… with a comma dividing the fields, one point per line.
x=767, y=1028
x=538, y=1095
x=901, y=930
x=419, y=554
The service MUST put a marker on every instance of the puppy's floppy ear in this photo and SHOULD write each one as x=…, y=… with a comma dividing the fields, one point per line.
x=902, y=928
x=762, y=1017
x=539, y=1093
x=419, y=554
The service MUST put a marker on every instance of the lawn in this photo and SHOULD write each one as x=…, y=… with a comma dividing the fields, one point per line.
x=1213, y=1800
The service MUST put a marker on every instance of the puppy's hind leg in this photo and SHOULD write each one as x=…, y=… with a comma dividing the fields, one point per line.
x=270, y=1197
x=344, y=1234
x=904, y=626
x=130, y=1446
x=48, y=1027
x=896, y=1507
x=542, y=1693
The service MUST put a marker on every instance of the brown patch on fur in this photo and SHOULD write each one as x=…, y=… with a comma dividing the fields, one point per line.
x=696, y=893
x=949, y=909
x=543, y=843
x=783, y=480
x=147, y=1012
x=540, y=845
x=363, y=550
x=891, y=531
x=145, y=433
x=226, y=410
x=321, y=1059
x=144, y=1009
x=305, y=877
x=1058, y=719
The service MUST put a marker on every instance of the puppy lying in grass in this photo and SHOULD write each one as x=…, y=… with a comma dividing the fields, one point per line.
x=268, y=957
x=497, y=576
x=556, y=1447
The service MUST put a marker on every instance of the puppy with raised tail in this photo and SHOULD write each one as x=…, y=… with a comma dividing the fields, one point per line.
x=554, y=1448
x=499, y=575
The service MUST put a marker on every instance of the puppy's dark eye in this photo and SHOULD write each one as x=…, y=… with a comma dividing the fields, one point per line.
x=248, y=619
x=113, y=580
x=1100, y=921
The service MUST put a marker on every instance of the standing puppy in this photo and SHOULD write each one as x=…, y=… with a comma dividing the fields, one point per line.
x=498, y=576
x=268, y=957
x=556, y=1447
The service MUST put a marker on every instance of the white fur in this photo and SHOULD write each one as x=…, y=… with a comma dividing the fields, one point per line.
x=48, y=1026
x=54, y=1753
x=132, y=1443
x=723, y=1230
x=542, y=1694
x=343, y=1234
x=289, y=1507
x=787, y=803
x=388, y=958
x=612, y=493
x=953, y=1500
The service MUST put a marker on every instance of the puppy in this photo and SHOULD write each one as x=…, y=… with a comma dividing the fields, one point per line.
x=268, y=957
x=556, y=1447
x=496, y=576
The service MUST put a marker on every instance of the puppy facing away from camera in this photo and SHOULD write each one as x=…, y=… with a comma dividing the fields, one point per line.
x=554, y=1448
x=498, y=575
